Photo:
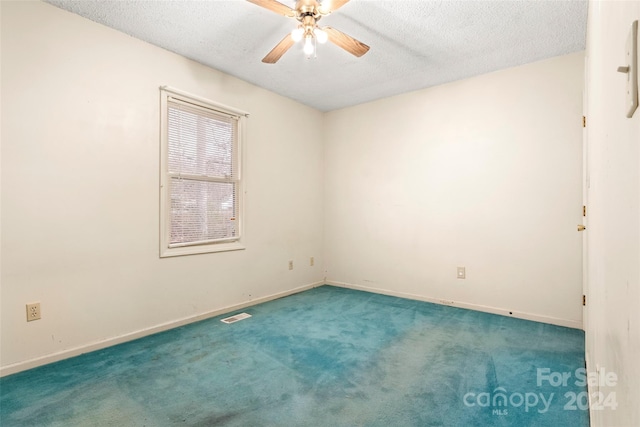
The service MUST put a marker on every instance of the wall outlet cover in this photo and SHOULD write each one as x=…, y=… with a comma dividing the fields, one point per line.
x=33, y=311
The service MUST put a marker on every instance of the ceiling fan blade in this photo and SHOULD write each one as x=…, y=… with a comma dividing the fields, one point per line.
x=275, y=6
x=346, y=42
x=280, y=49
x=329, y=6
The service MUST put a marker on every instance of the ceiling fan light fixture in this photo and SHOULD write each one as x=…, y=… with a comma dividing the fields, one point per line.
x=309, y=48
x=297, y=34
x=321, y=35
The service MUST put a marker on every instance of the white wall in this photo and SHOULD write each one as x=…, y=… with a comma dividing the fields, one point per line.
x=80, y=174
x=483, y=173
x=613, y=234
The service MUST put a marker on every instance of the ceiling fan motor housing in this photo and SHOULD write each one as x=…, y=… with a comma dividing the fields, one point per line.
x=308, y=8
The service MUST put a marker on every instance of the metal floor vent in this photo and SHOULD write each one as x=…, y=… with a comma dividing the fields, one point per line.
x=236, y=318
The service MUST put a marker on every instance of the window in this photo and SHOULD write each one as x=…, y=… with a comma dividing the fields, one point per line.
x=201, y=188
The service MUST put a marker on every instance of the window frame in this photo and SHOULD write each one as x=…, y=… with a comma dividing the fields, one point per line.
x=237, y=243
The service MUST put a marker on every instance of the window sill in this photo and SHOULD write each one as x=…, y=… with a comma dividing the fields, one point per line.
x=201, y=249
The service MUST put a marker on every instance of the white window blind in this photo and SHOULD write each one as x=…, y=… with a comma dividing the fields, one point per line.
x=201, y=176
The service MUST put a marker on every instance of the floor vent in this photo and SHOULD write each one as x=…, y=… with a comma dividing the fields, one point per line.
x=236, y=318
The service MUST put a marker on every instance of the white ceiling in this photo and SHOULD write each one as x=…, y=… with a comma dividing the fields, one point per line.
x=414, y=44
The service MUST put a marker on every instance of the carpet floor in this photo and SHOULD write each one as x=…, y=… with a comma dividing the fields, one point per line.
x=325, y=357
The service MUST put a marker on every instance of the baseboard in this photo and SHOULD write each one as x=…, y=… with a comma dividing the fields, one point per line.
x=487, y=309
x=98, y=345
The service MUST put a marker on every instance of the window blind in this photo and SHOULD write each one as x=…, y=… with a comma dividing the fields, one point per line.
x=203, y=174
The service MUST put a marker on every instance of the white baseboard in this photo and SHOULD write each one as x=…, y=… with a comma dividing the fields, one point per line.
x=487, y=309
x=98, y=345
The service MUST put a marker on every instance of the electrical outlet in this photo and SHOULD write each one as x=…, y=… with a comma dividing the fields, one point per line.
x=290, y=264
x=311, y=261
x=33, y=311
x=461, y=273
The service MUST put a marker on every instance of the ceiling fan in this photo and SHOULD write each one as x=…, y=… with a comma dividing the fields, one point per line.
x=308, y=13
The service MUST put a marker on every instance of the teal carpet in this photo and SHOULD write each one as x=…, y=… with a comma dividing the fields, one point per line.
x=325, y=357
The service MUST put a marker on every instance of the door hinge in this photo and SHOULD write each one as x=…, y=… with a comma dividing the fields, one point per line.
x=584, y=211
x=584, y=121
x=584, y=300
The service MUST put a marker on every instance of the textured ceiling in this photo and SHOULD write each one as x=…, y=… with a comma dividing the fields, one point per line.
x=414, y=44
